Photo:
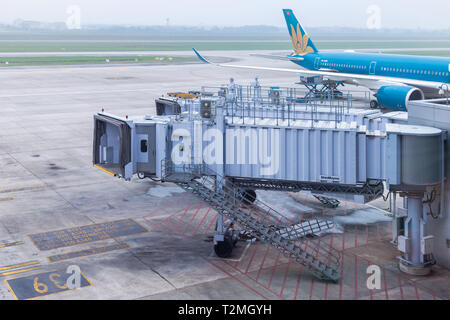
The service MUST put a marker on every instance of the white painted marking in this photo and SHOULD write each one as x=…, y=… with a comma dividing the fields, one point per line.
x=163, y=192
x=70, y=93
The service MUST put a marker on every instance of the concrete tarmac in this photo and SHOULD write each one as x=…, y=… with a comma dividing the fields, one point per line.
x=50, y=191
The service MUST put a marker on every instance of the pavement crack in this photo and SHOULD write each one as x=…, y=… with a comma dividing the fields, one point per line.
x=48, y=185
x=156, y=272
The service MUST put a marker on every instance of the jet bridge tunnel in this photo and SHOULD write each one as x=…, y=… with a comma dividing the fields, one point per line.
x=332, y=151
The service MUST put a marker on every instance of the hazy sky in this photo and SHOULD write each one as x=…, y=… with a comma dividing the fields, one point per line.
x=428, y=14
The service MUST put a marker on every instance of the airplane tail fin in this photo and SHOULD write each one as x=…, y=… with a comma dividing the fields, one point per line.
x=300, y=40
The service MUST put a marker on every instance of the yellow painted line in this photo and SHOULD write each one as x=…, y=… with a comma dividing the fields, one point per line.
x=10, y=244
x=25, y=188
x=104, y=170
x=19, y=265
x=19, y=271
x=11, y=290
x=38, y=71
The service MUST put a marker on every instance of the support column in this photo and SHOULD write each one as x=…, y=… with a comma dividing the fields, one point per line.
x=413, y=262
x=415, y=212
x=395, y=219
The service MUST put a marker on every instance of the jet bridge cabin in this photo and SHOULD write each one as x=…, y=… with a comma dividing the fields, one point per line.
x=122, y=149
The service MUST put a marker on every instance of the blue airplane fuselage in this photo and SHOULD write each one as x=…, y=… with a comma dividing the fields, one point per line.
x=399, y=66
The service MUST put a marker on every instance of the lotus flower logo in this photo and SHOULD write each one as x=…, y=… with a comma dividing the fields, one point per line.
x=300, y=42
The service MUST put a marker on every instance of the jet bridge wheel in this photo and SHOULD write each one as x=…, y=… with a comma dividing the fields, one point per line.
x=224, y=248
x=249, y=195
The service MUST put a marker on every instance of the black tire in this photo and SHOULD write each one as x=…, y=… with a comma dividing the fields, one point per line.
x=224, y=248
x=373, y=104
x=249, y=195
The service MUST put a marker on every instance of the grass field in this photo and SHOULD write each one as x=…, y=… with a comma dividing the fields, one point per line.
x=103, y=46
x=419, y=47
x=80, y=60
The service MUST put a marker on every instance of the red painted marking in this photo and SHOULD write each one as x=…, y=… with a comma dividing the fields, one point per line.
x=201, y=222
x=318, y=245
x=378, y=232
x=356, y=276
x=298, y=283
x=311, y=289
x=265, y=256
x=401, y=289
x=259, y=283
x=192, y=219
x=146, y=218
x=342, y=276
x=331, y=247
x=385, y=284
x=301, y=217
x=370, y=290
x=343, y=240
x=326, y=291
x=209, y=227
x=356, y=236
x=238, y=280
x=417, y=291
x=251, y=259
x=390, y=231
x=182, y=216
x=262, y=263
x=273, y=269
x=157, y=227
x=163, y=207
x=285, y=277
x=367, y=233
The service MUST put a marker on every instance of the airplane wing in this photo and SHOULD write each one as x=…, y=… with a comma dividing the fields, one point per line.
x=371, y=81
x=273, y=57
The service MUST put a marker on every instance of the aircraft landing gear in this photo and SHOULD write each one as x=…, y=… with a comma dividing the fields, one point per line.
x=374, y=104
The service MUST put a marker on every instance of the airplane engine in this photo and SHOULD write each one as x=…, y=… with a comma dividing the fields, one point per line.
x=398, y=97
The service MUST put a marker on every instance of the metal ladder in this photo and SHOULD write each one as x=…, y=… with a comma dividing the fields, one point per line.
x=268, y=225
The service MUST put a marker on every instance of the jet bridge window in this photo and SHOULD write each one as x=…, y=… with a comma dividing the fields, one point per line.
x=144, y=146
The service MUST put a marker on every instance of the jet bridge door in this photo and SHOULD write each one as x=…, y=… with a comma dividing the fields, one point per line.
x=111, y=145
x=146, y=149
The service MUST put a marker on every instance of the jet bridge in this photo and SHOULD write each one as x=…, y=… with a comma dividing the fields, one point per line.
x=221, y=146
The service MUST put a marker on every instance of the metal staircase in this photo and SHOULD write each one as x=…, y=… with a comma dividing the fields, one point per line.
x=267, y=225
